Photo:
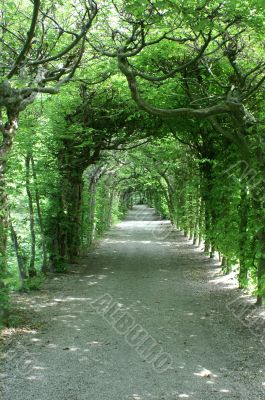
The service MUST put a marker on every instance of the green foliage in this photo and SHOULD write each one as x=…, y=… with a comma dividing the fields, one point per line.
x=5, y=304
x=34, y=283
x=96, y=150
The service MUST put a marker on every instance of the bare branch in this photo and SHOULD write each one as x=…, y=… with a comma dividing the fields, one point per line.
x=72, y=45
x=30, y=36
x=253, y=89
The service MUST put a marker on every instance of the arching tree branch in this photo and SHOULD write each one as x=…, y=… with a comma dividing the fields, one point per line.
x=222, y=108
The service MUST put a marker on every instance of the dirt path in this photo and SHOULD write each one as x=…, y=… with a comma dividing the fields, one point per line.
x=160, y=286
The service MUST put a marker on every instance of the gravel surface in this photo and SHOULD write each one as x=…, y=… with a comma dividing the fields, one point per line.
x=142, y=277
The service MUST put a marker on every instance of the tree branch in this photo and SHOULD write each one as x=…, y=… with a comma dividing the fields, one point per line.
x=176, y=70
x=78, y=38
x=30, y=36
x=222, y=108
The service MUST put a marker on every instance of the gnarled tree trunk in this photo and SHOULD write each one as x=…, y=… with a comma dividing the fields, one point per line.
x=8, y=131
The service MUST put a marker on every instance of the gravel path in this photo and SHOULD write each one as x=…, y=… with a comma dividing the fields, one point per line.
x=142, y=318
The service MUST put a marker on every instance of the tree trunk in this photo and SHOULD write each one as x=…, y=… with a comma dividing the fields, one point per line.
x=212, y=252
x=44, y=267
x=8, y=131
x=258, y=205
x=65, y=222
x=109, y=218
x=207, y=226
x=170, y=200
x=261, y=267
x=201, y=221
x=226, y=265
x=92, y=209
x=73, y=197
x=196, y=227
x=243, y=236
x=57, y=235
x=19, y=253
x=32, y=270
